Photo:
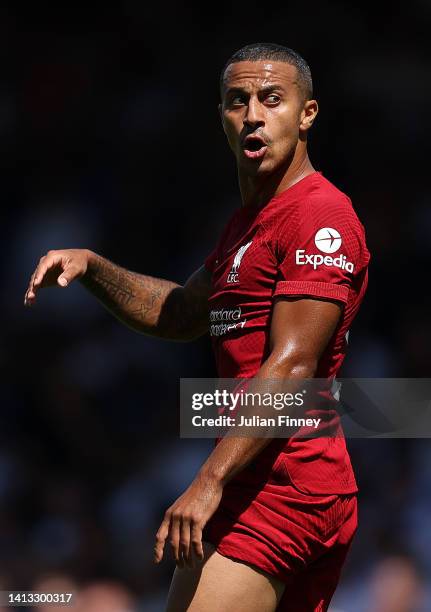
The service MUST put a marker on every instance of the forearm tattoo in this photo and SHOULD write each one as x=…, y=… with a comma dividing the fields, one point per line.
x=147, y=304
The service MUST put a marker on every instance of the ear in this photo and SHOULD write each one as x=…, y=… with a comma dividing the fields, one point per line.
x=308, y=115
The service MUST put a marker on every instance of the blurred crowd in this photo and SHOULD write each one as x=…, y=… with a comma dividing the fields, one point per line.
x=110, y=140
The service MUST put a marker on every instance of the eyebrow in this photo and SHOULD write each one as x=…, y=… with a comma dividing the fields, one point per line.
x=265, y=89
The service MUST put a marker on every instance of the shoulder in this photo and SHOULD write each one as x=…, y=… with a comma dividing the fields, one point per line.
x=320, y=214
x=313, y=195
x=324, y=204
x=324, y=198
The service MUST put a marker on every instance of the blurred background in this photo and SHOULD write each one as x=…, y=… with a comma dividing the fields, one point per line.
x=110, y=140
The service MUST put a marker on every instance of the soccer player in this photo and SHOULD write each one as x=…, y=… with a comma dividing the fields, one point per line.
x=266, y=523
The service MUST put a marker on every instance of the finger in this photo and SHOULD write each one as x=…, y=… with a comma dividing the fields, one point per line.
x=174, y=540
x=29, y=293
x=40, y=271
x=161, y=536
x=194, y=559
x=196, y=541
x=185, y=541
x=38, y=275
x=46, y=263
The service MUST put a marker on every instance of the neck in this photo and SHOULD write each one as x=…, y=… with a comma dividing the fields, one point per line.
x=257, y=190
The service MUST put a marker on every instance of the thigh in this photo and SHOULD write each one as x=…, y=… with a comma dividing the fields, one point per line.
x=220, y=584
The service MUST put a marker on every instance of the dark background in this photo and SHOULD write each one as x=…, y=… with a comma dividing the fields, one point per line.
x=110, y=140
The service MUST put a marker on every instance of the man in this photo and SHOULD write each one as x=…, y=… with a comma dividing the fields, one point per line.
x=266, y=523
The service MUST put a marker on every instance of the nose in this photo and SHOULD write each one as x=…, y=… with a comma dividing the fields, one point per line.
x=254, y=115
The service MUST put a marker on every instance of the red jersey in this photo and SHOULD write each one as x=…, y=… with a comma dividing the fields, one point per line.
x=306, y=241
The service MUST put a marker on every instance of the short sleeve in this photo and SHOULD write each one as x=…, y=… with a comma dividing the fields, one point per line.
x=320, y=250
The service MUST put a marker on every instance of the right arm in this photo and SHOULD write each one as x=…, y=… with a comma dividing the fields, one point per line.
x=145, y=304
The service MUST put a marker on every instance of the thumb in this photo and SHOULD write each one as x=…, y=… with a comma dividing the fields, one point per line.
x=70, y=272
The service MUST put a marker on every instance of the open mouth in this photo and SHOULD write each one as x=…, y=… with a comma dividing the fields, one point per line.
x=254, y=147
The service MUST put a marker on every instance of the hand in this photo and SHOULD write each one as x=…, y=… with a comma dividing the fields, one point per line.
x=57, y=268
x=185, y=519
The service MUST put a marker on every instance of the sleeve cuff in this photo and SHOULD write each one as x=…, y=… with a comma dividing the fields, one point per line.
x=314, y=288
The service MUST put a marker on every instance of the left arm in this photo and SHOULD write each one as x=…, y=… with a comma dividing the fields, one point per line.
x=300, y=331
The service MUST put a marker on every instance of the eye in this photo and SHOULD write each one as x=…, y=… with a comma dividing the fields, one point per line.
x=273, y=98
x=237, y=100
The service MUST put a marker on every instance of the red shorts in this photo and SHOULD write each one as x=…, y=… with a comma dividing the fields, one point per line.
x=299, y=538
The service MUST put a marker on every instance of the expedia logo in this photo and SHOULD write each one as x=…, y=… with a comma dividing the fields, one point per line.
x=327, y=240
x=317, y=260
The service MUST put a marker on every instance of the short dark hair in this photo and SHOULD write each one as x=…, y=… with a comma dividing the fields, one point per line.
x=272, y=51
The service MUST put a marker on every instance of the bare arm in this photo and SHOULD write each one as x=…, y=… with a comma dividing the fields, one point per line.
x=300, y=332
x=145, y=304
x=151, y=305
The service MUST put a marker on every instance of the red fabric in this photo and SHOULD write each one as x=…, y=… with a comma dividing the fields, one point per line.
x=323, y=290
x=291, y=512
x=298, y=538
x=282, y=249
